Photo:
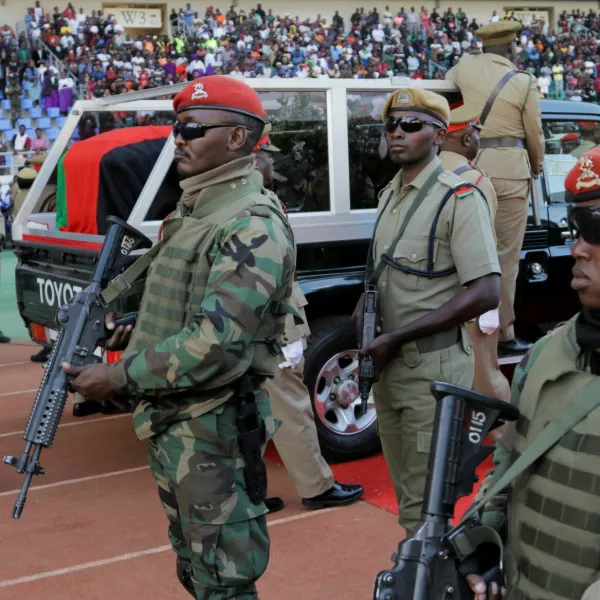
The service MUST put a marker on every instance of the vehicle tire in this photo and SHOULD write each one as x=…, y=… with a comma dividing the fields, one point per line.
x=331, y=376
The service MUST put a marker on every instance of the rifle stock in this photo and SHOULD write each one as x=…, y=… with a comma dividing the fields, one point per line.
x=81, y=331
x=431, y=565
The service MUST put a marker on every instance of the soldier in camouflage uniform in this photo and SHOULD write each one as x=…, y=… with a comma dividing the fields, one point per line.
x=213, y=309
x=550, y=517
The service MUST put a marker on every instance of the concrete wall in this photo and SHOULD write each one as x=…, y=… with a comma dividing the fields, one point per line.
x=12, y=11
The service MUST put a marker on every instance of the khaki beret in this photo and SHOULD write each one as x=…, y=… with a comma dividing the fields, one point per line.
x=27, y=173
x=418, y=100
x=498, y=33
x=264, y=143
x=464, y=116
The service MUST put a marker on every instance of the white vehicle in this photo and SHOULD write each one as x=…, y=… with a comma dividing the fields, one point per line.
x=329, y=173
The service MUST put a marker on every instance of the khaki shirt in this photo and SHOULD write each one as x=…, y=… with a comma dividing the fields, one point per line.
x=452, y=161
x=515, y=113
x=464, y=239
x=584, y=147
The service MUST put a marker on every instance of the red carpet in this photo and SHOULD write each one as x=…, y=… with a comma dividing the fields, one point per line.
x=372, y=473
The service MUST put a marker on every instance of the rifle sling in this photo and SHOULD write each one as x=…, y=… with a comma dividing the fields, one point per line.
x=490, y=101
x=425, y=189
x=123, y=282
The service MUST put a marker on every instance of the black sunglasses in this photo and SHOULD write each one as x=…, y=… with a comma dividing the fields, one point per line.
x=584, y=221
x=407, y=124
x=194, y=131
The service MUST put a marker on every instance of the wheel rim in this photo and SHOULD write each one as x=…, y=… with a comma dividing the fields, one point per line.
x=336, y=396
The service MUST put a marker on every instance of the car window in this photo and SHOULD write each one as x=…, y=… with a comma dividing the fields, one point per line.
x=566, y=141
x=556, y=168
x=301, y=167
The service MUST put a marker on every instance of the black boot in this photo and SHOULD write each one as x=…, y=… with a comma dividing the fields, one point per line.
x=338, y=494
x=274, y=504
x=184, y=574
x=89, y=407
x=42, y=356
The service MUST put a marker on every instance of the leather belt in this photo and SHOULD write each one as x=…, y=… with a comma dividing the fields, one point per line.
x=506, y=141
x=439, y=341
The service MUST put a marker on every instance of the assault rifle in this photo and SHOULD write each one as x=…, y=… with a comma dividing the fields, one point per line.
x=81, y=331
x=366, y=368
x=433, y=564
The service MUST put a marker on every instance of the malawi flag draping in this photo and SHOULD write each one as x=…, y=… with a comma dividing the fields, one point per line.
x=104, y=175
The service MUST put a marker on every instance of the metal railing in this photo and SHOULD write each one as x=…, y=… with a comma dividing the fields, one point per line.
x=435, y=67
x=579, y=29
x=11, y=163
x=60, y=67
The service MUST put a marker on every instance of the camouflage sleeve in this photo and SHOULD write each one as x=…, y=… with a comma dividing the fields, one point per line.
x=495, y=510
x=252, y=257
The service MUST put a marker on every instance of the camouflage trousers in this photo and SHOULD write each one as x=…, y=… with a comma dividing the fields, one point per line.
x=213, y=525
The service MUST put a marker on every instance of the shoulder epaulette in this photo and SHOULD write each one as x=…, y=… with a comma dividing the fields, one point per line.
x=450, y=179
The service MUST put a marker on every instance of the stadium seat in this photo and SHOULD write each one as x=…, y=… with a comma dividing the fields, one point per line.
x=53, y=112
x=25, y=121
x=44, y=123
x=60, y=121
x=9, y=134
x=52, y=133
x=6, y=104
x=30, y=133
x=5, y=124
x=35, y=112
x=26, y=103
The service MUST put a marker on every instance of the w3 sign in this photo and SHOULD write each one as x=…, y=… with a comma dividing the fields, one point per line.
x=139, y=17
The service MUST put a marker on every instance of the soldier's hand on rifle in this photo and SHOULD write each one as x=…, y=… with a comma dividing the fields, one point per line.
x=121, y=335
x=90, y=381
x=381, y=350
x=482, y=591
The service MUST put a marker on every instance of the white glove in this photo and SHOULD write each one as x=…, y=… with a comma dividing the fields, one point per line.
x=489, y=322
x=292, y=353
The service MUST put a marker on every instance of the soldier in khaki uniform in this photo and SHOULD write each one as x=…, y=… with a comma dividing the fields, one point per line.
x=549, y=513
x=460, y=147
x=296, y=439
x=512, y=148
x=590, y=132
x=433, y=275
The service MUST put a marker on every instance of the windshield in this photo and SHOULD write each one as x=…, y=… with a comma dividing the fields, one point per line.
x=566, y=141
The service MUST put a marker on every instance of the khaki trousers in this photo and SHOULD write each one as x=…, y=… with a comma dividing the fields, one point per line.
x=510, y=224
x=296, y=439
x=488, y=377
x=405, y=414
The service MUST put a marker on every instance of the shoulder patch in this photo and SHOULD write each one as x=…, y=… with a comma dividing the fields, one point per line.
x=463, y=191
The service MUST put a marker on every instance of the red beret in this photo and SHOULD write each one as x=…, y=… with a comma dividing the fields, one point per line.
x=220, y=92
x=583, y=180
x=570, y=137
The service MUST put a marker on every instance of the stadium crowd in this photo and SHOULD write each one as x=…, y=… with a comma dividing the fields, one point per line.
x=96, y=54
